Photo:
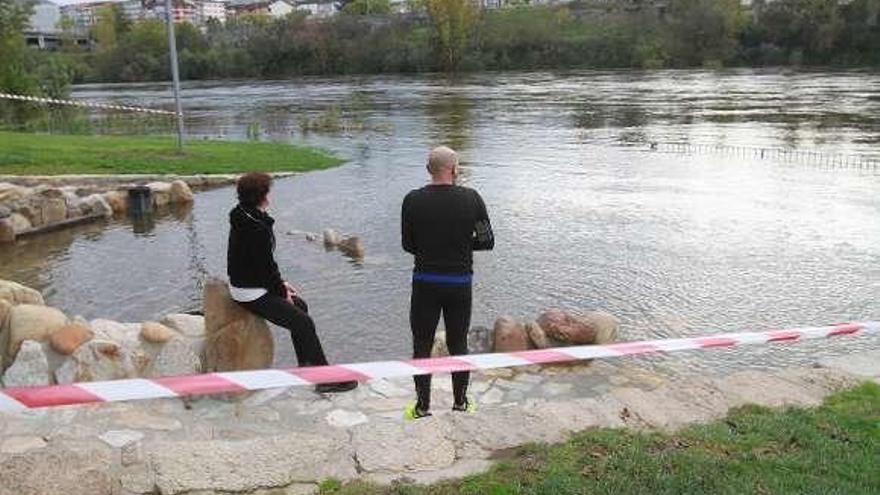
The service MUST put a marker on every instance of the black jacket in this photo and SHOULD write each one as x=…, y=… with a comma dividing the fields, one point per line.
x=442, y=225
x=250, y=260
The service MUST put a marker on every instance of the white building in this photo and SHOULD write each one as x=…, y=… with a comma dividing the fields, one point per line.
x=45, y=17
x=210, y=9
x=272, y=8
x=318, y=8
x=134, y=10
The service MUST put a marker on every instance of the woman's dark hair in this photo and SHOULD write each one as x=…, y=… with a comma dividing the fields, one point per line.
x=253, y=188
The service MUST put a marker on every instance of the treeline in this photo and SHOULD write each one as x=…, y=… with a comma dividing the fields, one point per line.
x=453, y=35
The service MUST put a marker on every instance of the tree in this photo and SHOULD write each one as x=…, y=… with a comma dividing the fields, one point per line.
x=453, y=23
x=367, y=7
x=704, y=31
x=14, y=74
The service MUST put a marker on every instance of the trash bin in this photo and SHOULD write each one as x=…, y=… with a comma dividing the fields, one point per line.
x=140, y=201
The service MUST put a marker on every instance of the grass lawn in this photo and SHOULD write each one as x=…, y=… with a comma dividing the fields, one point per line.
x=832, y=449
x=44, y=154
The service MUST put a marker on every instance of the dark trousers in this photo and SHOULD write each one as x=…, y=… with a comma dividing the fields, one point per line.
x=295, y=318
x=427, y=302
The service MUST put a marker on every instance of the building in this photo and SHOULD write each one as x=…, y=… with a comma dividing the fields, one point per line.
x=134, y=10
x=83, y=15
x=181, y=10
x=318, y=8
x=209, y=9
x=45, y=17
x=272, y=8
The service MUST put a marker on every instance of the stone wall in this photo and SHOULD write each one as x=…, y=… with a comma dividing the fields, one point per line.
x=25, y=210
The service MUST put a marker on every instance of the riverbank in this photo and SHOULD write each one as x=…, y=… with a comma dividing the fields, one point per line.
x=291, y=441
x=44, y=154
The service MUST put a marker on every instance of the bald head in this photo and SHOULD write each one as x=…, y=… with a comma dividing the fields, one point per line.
x=442, y=160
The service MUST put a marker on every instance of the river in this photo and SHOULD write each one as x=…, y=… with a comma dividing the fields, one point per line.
x=587, y=215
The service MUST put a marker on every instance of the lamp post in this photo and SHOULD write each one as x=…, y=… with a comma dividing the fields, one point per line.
x=175, y=73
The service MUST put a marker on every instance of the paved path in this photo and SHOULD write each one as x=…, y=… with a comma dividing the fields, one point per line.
x=283, y=442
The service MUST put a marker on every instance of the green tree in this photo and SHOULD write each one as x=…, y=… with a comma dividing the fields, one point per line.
x=704, y=31
x=453, y=23
x=14, y=74
x=367, y=7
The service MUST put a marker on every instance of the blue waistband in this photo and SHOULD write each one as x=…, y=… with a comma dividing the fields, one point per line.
x=443, y=278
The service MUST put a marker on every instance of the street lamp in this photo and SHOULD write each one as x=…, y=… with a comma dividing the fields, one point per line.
x=175, y=73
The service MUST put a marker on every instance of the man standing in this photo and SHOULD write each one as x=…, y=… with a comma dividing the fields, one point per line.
x=441, y=225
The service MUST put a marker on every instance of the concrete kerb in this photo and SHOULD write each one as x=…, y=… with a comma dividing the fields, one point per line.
x=291, y=441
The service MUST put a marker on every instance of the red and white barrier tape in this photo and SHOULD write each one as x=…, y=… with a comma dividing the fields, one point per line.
x=87, y=104
x=23, y=398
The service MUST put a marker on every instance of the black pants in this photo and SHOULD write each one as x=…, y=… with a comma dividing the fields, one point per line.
x=427, y=302
x=295, y=318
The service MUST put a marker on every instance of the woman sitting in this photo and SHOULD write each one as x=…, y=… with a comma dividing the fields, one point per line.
x=255, y=281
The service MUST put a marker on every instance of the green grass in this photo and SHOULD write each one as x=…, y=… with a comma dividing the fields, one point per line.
x=832, y=449
x=43, y=154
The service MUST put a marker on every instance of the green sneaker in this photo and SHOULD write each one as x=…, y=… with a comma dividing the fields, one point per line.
x=412, y=413
x=468, y=407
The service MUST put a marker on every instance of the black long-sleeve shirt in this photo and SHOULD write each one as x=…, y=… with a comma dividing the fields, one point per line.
x=250, y=259
x=442, y=225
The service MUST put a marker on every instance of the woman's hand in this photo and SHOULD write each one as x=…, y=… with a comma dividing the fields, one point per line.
x=291, y=291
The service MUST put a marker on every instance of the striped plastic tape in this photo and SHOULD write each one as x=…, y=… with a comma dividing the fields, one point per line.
x=86, y=104
x=24, y=398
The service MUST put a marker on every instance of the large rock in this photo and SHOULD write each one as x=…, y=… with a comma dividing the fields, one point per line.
x=537, y=336
x=128, y=336
x=97, y=205
x=19, y=223
x=439, y=348
x=156, y=333
x=235, y=338
x=32, y=212
x=117, y=200
x=94, y=361
x=32, y=322
x=510, y=336
x=191, y=326
x=331, y=238
x=68, y=338
x=16, y=293
x=161, y=193
x=353, y=247
x=180, y=192
x=58, y=470
x=54, y=210
x=480, y=340
x=575, y=329
x=30, y=369
x=11, y=192
x=176, y=358
x=248, y=465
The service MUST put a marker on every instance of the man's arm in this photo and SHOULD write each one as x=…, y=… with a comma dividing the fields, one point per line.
x=407, y=235
x=484, y=239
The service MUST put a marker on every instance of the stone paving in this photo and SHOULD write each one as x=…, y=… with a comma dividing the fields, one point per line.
x=284, y=442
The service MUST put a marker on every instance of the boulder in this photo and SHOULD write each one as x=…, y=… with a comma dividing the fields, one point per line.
x=180, y=192
x=69, y=469
x=54, y=210
x=117, y=200
x=94, y=361
x=5, y=211
x=11, y=192
x=16, y=293
x=128, y=336
x=235, y=338
x=510, y=336
x=30, y=368
x=578, y=329
x=480, y=340
x=439, y=348
x=19, y=223
x=331, y=238
x=50, y=192
x=5, y=309
x=7, y=230
x=192, y=326
x=33, y=213
x=68, y=338
x=156, y=333
x=161, y=192
x=176, y=358
x=352, y=246
x=76, y=207
x=32, y=322
x=537, y=336
x=98, y=205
